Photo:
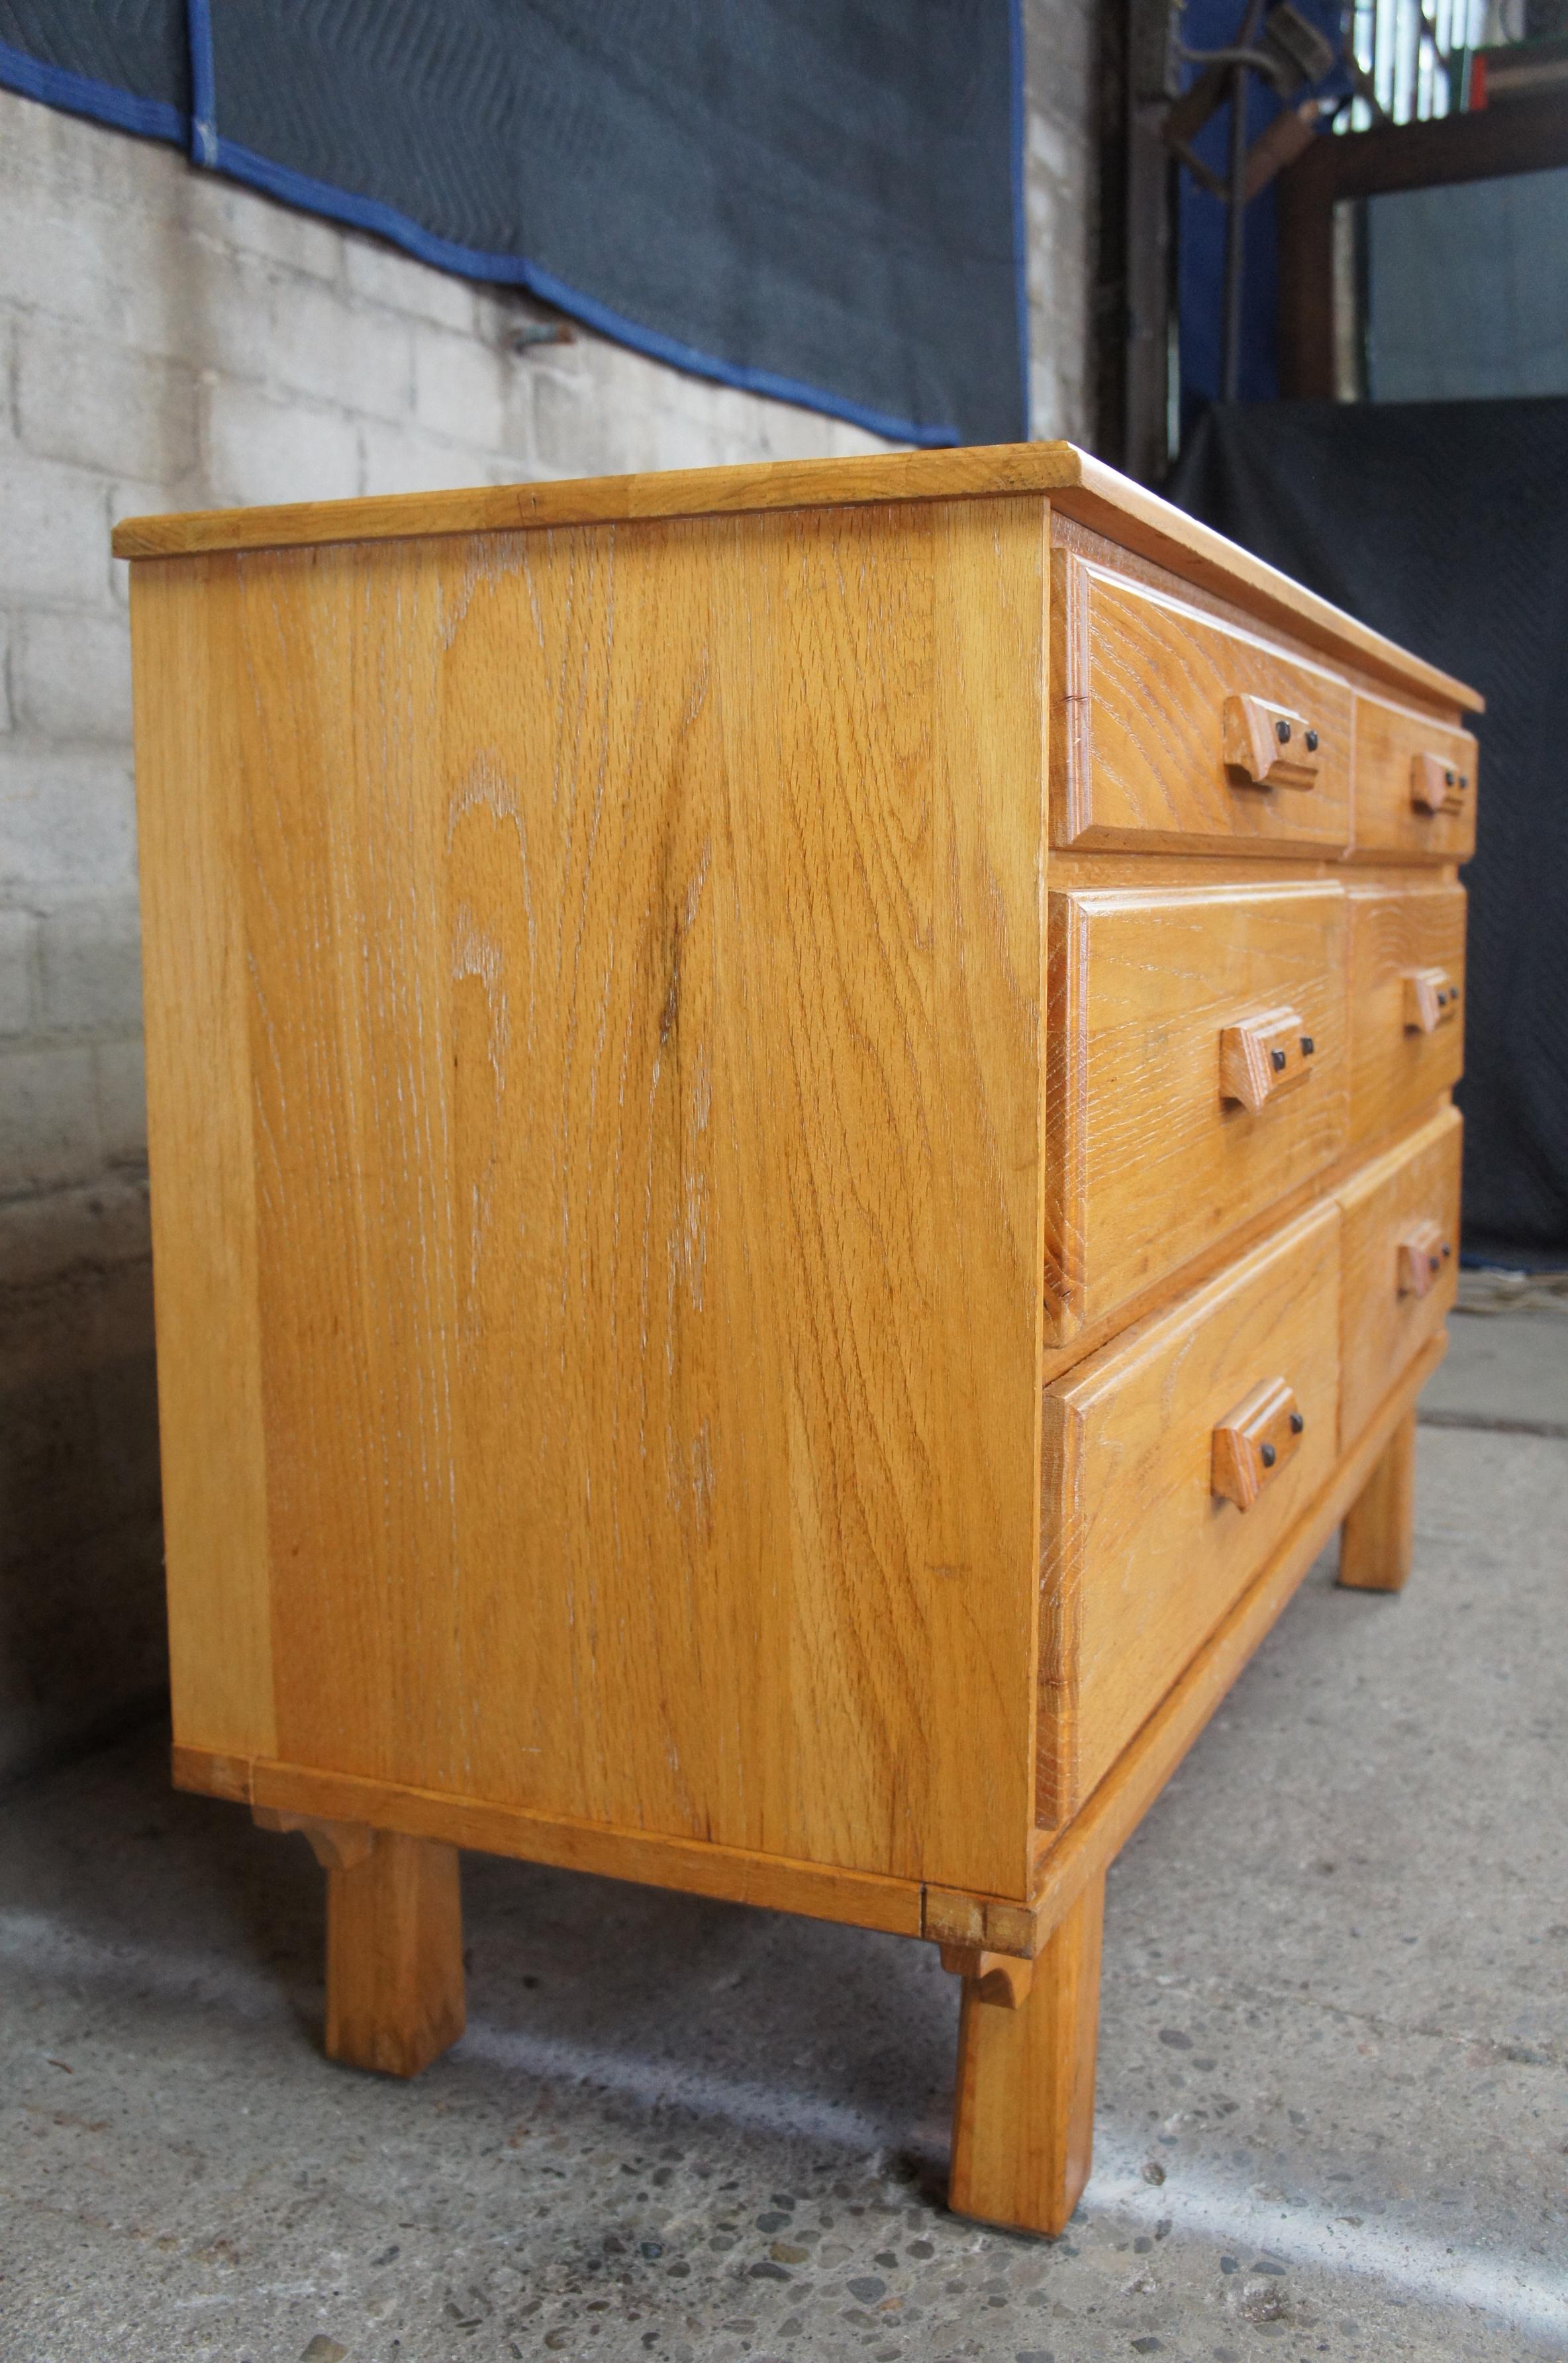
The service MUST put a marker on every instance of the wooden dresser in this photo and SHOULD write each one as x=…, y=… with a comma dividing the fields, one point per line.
x=802, y=1156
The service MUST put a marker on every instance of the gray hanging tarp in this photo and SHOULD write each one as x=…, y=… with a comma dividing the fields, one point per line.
x=1445, y=524
x=814, y=200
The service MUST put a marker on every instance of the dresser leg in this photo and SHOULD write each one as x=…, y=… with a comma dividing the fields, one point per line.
x=1023, y=2110
x=394, y=1956
x=1377, y=1537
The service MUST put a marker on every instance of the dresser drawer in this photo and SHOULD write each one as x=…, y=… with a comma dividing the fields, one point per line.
x=1415, y=783
x=1406, y=1001
x=1179, y=1100
x=1180, y=728
x=1400, y=1263
x=1142, y=1555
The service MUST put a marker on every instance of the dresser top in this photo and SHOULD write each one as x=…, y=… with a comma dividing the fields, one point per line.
x=1081, y=486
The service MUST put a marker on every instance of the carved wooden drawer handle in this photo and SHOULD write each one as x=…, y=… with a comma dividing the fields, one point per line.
x=1431, y=998
x=1270, y=745
x=1423, y=1251
x=1264, y=1055
x=1253, y=1442
x=1436, y=785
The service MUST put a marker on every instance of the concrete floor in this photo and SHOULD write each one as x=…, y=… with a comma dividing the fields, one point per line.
x=1333, y=2111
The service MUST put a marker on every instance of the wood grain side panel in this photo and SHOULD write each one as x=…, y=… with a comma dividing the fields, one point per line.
x=1383, y=1324
x=190, y=831
x=1141, y=682
x=1148, y=1163
x=644, y=928
x=1152, y=1559
x=1394, y=1068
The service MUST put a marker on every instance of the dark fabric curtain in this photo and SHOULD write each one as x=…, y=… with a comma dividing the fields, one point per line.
x=1445, y=524
x=815, y=200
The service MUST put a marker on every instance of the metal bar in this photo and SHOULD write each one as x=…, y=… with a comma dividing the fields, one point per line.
x=1235, y=220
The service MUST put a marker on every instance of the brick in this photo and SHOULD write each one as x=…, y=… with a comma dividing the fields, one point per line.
x=578, y=433
x=786, y=431
x=461, y=388
x=226, y=215
x=71, y=677
x=19, y=972
x=102, y=1223
x=56, y=528
x=84, y=261
x=90, y=967
x=48, y=1117
x=121, y=1071
x=848, y=441
x=358, y=358
x=129, y=499
x=66, y=820
x=394, y=461
x=678, y=441
x=376, y=273
x=259, y=448
x=47, y=154
x=94, y=403
x=294, y=334
x=8, y=321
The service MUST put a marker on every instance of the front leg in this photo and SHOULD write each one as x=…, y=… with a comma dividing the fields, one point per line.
x=1024, y=2110
x=1377, y=1539
x=394, y=1943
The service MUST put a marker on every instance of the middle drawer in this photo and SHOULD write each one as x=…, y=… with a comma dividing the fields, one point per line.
x=1197, y=1073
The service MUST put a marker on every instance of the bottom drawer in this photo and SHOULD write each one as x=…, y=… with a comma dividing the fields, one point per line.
x=1142, y=1555
x=1399, y=1254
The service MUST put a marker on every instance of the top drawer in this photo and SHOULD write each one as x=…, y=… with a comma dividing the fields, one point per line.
x=1180, y=728
x=1415, y=783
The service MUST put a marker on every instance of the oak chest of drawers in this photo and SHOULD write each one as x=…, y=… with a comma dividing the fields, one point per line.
x=801, y=1155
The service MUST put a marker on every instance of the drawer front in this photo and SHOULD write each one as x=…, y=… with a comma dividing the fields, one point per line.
x=1169, y=1122
x=1142, y=1554
x=1406, y=1001
x=1400, y=1219
x=1172, y=723
x=1415, y=783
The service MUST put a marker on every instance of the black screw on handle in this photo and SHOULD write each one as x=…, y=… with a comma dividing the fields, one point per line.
x=1307, y=1046
x=1448, y=778
x=1269, y=1456
x=1278, y=1058
x=1311, y=742
x=1297, y=1423
x=1447, y=1250
x=1282, y=732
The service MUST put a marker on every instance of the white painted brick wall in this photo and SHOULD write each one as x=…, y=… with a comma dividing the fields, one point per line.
x=170, y=340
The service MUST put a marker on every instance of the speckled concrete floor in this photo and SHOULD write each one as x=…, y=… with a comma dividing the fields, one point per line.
x=1333, y=2111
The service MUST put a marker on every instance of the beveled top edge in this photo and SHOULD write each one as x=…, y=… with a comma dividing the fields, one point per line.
x=1081, y=486
x=961, y=473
